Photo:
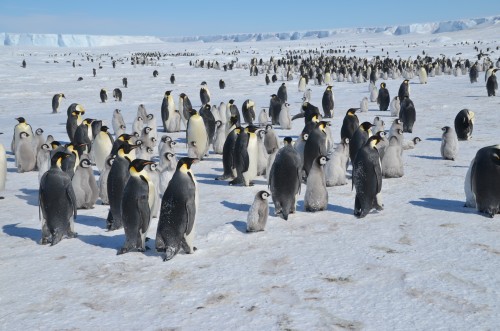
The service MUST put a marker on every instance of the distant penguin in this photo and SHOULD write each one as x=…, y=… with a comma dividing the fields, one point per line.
x=258, y=212
x=367, y=178
x=392, y=161
x=103, y=95
x=492, y=84
x=101, y=148
x=117, y=94
x=246, y=155
x=220, y=137
x=383, y=98
x=449, y=144
x=274, y=109
x=103, y=180
x=359, y=139
x=176, y=226
x=422, y=75
x=21, y=126
x=473, y=73
x=222, y=84
x=267, y=79
x=155, y=73
x=57, y=203
x=204, y=94
x=124, y=82
x=470, y=199
x=316, y=196
x=404, y=90
x=395, y=106
x=285, y=179
x=56, y=102
x=373, y=94
x=327, y=102
x=248, y=111
x=232, y=110
x=197, y=133
x=136, y=206
x=43, y=160
x=485, y=180
x=350, y=124
x=302, y=84
x=363, y=105
x=407, y=115
x=464, y=124
x=263, y=117
x=85, y=185
x=285, y=119
x=118, y=123
x=336, y=167
x=25, y=153
x=172, y=79
x=3, y=168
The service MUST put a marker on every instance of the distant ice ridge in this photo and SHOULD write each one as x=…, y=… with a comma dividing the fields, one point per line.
x=71, y=40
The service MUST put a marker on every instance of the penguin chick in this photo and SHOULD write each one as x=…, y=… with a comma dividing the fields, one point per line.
x=258, y=213
x=316, y=197
x=449, y=144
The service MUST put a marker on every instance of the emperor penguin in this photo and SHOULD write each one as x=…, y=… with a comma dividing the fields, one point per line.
x=246, y=157
x=138, y=125
x=302, y=84
x=118, y=123
x=103, y=180
x=411, y=143
x=392, y=161
x=170, y=117
x=271, y=140
x=350, y=124
x=248, y=111
x=220, y=138
x=485, y=179
x=85, y=185
x=209, y=121
x=449, y=144
x=363, y=105
x=383, y=98
x=125, y=82
x=300, y=145
x=25, y=153
x=70, y=163
x=473, y=73
x=396, y=125
x=282, y=93
x=407, y=114
x=274, y=109
x=395, y=107
x=103, y=95
x=197, y=133
x=39, y=140
x=262, y=153
x=3, y=168
x=336, y=167
x=359, y=139
x=185, y=108
x=222, y=84
x=316, y=196
x=307, y=95
x=137, y=202
x=57, y=203
x=172, y=79
x=223, y=113
x=204, y=94
x=367, y=178
x=316, y=145
x=166, y=145
x=167, y=166
x=374, y=94
x=492, y=84
x=470, y=199
x=464, y=124
x=43, y=160
x=56, y=102
x=228, y=152
x=21, y=126
x=285, y=179
x=117, y=94
x=263, y=117
x=285, y=119
x=176, y=226
x=327, y=102
x=117, y=178
x=101, y=148
x=72, y=123
x=422, y=75
x=404, y=90
x=258, y=212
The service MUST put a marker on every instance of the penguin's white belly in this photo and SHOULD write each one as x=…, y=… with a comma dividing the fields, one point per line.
x=197, y=133
x=252, y=150
x=101, y=148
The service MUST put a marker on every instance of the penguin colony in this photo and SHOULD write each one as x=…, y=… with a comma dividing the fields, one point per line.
x=138, y=189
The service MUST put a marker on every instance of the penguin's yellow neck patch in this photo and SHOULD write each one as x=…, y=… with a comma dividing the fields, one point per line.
x=59, y=162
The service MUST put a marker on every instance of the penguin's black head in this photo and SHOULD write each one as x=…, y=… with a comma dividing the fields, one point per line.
x=382, y=85
x=39, y=131
x=104, y=128
x=127, y=148
x=282, y=84
x=231, y=101
x=288, y=140
x=118, y=110
x=321, y=160
x=366, y=126
x=147, y=130
x=495, y=154
x=21, y=120
x=55, y=144
x=85, y=163
x=207, y=107
x=186, y=162
x=150, y=116
x=203, y=83
x=445, y=129
x=380, y=135
x=169, y=156
x=416, y=140
x=24, y=134
x=263, y=195
x=269, y=127
x=182, y=95
x=192, y=112
x=351, y=111
x=58, y=157
x=63, y=96
x=125, y=137
x=139, y=164
x=233, y=120
x=167, y=93
x=165, y=138
x=251, y=128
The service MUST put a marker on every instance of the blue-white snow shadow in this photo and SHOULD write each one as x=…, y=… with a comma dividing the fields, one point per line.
x=236, y=206
x=457, y=206
x=239, y=225
x=30, y=196
x=15, y=231
x=427, y=157
x=91, y=220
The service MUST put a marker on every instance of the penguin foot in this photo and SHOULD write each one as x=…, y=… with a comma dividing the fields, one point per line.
x=122, y=250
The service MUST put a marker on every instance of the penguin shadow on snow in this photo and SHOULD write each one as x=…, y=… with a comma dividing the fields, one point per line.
x=14, y=230
x=13, y=170
x=30, y=196
x=239, y=225
x=111, y=242
x=88, y=220
x=329, y=207
x=211, y=181
x=433, y=139
x=427, y=157
x=236, y=206
x=456, y=206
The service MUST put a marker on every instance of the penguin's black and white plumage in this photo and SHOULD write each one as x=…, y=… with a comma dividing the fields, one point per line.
x=21, y=126
x=492, y=84
x=185, y=108
x=103, y=180
x=464, y=124
x=176, y=226
x=327, y=102
x=125, y=82
x=404, y=90
x=336, y=167
x=83, y=135
x=103, y=95
x=137, y=201
x=101, y=148
x=473, y=73
x=56, y=102
x=316, y=196
x=155, y=73
x=268, y=81
x=449, y=144
x=248, y=111
x=316, y=145
x=395, y=106
x=204, y=94
x=209, y=120
x=271, y=140
x=367, y=178
x=167, y=166
x=246, y=157
x=117, y=94
x=407, y=114
x=42, y=159
x=118, y=123
x=274, y=109
x=233, y=110
x=170, y=117
x=258, y=212
x=222, y=84
x=228, y=152
x=84, y=184
x=263, y=117
x=282, y=93
x=285, y=119
x=485, y=180
x=383, y=98
x=72, y=123
x=350, y=124
x=359, y=139
x=172, y=79
x=285, y=179
x=57, y=203
x=197, y=136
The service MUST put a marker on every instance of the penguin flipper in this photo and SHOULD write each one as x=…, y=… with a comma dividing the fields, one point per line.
x=70, y=193
x=191, y=213
x=144, y=212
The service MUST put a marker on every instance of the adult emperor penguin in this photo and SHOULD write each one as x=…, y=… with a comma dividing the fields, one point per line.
x=282, y=93
x=85, y=185
x=473, y=73
x=83, y=135
x=101, y=148
x=204, y=94
x=383, y=98
x=316, y=145
x=407, y=114
x=103, y=95
x=392, y=161
x=316, y=196
x=285, y=179
x=258, y=212
x=136, y=206
x=464, y=124
x=172, y=79
x=248, y=111
x=125, y=82
x=422, y=75
x=228, y=152
x=72, y=123
x=21, y=126
x=246, y=155
x=170, y=117
x=367, y=178
x=274, y=109
x=359, y=139
x=25, y=153
x=117, y=178
x=176, y=226
x=222, y=84
x=404, y=90
x=118, y=123
x=56, y=102
x=3, y=168
x=486, y=180
x=57, y=203
x=185, y=108
x=491, y=84
x=76, y=107
x=327, y=102
x=209, y=121
x=449, y=144
x=196, y=132
x=117, y=94
x=350, y=124
x=395, y=106
x=233, y=110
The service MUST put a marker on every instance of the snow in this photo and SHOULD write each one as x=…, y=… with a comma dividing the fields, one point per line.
x=424, y=262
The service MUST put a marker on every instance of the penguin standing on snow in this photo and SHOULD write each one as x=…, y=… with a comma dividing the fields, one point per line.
x=228, y=152
x=25, y=153
x=336, y=167
x=196, y=136
x=103, y=180
x=209, y=120
x=103, y=95
x=383, y=98
x=258, y=213
x=285, y=119
x=274, y=109
x=232, y=110
x=316, y=145
x=491, y=84
x=204, y=94
x=118, y=123
x=170, y=117
x=176, y=226
x=464, y=124
x=246, y=157
x=449, y=144
x=282, y=93
x=222, y=84
x=263, y=117
x=117, y=94
x=350, y=124
x=407, y=114
x=136, y=206
x=85, y=185
x=42, y=160
x=316, y=196
x=56, y=102
x=395, y=106
x=327, y=102
x=101, y=148
x=392, y=161
x=485, y=180
x=21, y=126
x=404, y=90
x=185, y=108
x=359, y=139
x=248, y=111
x=172, y=79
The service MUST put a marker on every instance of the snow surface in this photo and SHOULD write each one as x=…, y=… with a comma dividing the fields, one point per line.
x=423, y=263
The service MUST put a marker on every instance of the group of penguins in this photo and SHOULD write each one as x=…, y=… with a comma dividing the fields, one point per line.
x=138, y=189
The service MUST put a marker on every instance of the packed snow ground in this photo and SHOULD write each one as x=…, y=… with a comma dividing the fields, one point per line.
x=424, y=262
